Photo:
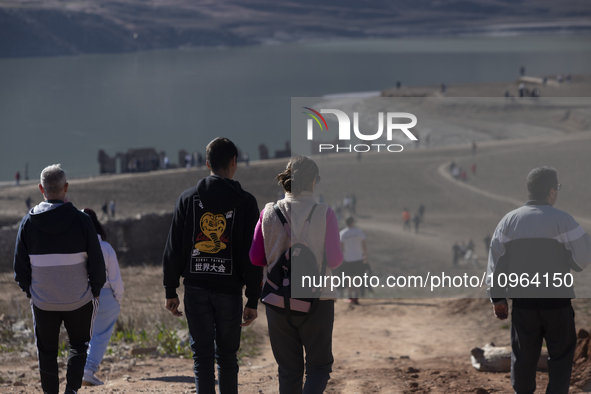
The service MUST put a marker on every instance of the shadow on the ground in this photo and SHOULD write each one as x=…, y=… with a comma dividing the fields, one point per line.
x=400, y=303
x=173, y=379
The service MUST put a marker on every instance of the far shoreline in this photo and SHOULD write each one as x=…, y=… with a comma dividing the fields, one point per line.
x=579, y=86
x=495, y=31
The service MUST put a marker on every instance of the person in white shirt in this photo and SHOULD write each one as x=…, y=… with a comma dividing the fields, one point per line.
x=110, y=305
x=355, y=257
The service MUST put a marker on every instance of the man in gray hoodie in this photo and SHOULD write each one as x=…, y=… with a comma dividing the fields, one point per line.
x=59, y=264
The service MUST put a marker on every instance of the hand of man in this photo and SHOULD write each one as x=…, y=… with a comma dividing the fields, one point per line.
x=249, y=316
x=172, y=304
x=501, y=311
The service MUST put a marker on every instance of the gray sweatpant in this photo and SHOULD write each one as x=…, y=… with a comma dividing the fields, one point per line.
x=288, y=344
x=528, y=328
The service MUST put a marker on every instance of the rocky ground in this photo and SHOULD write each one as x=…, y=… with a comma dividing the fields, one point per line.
x=380, y=346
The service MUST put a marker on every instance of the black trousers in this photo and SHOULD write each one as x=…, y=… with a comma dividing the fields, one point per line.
x=78, y=324
x=528, y=328
x=288, y=344
x=214, y=326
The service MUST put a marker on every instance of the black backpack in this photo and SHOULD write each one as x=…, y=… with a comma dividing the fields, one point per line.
x=277, y=288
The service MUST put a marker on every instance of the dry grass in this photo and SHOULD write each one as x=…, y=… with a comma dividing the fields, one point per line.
x=143, y=320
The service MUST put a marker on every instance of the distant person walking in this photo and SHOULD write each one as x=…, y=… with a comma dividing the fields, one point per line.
x=457, y=253
x=112, y=208
x=522, y=71
x=470, y=245
x=17, y=178
x=417, y=221
x=347, y=203
x=538, y=239
x=422, y=210
x=405, y=219
x=452, y=166
x=105, y=209
x=354, y=256
x=59, y=264
x=28, y=202
x=111, y=296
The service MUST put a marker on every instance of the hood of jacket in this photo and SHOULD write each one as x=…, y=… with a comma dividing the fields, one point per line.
x=220, y=194
x=53, y=219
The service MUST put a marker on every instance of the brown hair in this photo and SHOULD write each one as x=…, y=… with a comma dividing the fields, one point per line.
x=97, y=225
x=299, y=174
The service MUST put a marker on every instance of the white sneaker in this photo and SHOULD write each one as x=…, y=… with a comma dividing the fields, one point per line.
x=90, y=380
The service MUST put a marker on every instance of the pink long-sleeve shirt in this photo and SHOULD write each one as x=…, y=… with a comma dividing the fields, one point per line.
x=332, y=242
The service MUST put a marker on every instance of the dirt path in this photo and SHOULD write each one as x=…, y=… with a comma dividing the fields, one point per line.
x=380, y=346
x=443, y=170
x=374, y=344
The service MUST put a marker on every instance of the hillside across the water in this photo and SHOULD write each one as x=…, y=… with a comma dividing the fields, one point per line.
x=57, y=27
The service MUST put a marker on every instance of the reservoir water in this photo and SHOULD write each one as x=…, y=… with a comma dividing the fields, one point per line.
x=64, y=109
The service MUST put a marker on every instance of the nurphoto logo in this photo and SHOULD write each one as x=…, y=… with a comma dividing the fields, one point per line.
x=392, y=125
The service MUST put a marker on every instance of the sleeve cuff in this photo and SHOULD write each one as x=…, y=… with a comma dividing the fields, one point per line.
x=252, y=303
x=497, y=301
x=170, y=293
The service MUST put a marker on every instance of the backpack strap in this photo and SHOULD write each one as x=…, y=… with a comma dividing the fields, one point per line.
x=287, y=227
x=282, y=219
x=307, y=225
x=315, y=301
x=286, y=295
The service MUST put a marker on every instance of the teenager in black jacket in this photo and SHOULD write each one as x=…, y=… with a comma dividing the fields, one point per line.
x=208, y=244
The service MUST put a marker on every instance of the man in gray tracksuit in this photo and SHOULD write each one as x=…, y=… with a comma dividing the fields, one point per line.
x=538, y=245
x=58, y=263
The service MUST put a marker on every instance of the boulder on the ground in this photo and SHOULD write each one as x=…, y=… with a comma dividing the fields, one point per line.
x=491, y=358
